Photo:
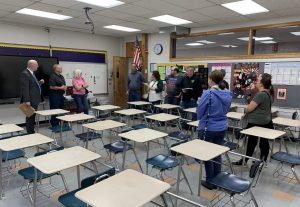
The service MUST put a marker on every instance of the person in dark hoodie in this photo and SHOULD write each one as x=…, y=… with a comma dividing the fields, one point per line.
x=211, y=111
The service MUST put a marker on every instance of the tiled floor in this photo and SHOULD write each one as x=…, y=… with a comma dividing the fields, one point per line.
x=270, y=191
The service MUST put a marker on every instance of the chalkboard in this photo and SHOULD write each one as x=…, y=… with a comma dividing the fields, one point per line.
x=96, y=74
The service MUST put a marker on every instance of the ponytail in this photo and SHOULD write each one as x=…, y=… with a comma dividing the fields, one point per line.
x=222, y=85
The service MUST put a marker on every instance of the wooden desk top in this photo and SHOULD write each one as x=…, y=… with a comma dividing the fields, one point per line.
x=128, y=188
x=193, y=123
x=139, y=103
x=51, y=112
x=104, y=125
x=286, y=122
x=191, y=110
x=9, y=128
x=130, y=112
x=200, y=150
x=235, y=115
x=75, y=117
x=106, y=107
x=167, y=106
x=21, y=142
x=162, y=117
x=263, y=132
x=63, y=159
x=143, y=135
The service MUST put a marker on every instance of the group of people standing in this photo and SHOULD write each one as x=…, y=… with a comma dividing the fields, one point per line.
x=31, y=90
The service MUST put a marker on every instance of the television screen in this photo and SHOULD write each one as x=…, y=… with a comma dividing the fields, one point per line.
x=12, y=66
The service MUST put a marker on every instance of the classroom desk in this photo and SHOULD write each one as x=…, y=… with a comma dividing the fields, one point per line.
x=130, y=112
x=168, y=107
x=128, y=188
x=261, y=132
x=109, y=108
x=61, y=160
x=235, y=115
x=10, y=128
x=49, y=112
x=201, y=150
x=190, y=111
x=193, y=126
x=286, y=122
x=139, y=103
x=102, y=125
x=73, y=118
x=163, y=117
x=20, y=142
x=142, y=136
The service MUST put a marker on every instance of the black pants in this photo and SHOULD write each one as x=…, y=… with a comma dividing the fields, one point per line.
x=263, y=144
x=30, y=122
x=56, y=101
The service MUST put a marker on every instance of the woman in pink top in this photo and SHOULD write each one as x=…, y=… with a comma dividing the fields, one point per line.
x=79, y=94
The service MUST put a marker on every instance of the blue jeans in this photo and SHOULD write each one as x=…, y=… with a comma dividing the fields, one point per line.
x=189, y=104
x=134, y=95
x=56, y=101
x=81, y=103
x=212, y=168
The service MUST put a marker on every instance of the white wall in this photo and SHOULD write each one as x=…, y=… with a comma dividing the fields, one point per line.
x=30, y=35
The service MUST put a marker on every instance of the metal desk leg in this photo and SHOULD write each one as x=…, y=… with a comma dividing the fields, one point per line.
x=61, y=129
x=78, y=176
x=148, y=148
x=200, y=178
x=1, y=186
x=164, y=200
x=124, y=155
x=178, y=178
x=34, y=188
x=38, y=122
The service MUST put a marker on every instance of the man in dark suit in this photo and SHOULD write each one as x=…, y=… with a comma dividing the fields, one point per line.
x=30, y=91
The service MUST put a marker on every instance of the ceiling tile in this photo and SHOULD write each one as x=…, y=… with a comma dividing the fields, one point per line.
x=28, y=19
x=192, y=16
x=276, y=4
x=191, y=4
x=159, y=5
x=55, y=9
x=18, y=3
x=80, y=6
x=132, y=9
x=62, y=3
x=117, y=15
x=4, y=13
x=265, y=15
x=288, y=12
x=236, y=19
x=222, y=1
x=217, y=12
x=10, y=8
x=153, y=23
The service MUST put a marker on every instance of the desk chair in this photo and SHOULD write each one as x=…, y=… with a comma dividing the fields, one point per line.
x=56, y=130
x=232, y=184
x=28, y=174
x=69, y=199
x=168, y=162
x=289, y=159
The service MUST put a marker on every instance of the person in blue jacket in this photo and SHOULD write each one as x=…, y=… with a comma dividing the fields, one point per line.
x=211, y=111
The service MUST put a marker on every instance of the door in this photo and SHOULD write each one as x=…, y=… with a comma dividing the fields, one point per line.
x=120, y=81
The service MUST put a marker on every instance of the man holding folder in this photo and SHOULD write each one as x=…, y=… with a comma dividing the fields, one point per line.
x=30, y=92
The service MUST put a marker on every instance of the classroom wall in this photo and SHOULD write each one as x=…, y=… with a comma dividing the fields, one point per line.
x=20, y=34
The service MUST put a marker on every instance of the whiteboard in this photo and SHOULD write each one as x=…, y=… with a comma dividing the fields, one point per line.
x=94, y=73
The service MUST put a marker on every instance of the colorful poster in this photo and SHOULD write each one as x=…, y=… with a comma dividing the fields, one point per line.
x=245, y=78
x=227, y=68
x=162, y=72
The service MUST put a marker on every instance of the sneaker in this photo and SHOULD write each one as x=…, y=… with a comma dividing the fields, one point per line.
x=208, y=185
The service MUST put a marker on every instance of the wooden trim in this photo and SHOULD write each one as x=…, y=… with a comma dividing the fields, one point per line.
x=240, y=29
x=250, y=43
x=258, y=56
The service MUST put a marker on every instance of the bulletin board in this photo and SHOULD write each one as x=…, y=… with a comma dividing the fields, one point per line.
x=286, y=73
x=225, y=66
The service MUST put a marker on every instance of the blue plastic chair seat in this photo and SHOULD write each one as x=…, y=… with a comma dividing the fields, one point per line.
x=139, y=126
x=163, y=162
x=28, y=174
x=89, y=135
x=118, y=147
x=56, y=129
x=230, y=145
x=179, y=135
x=11, y=155
x=287, y=158
x=126, y=129
x=230, y=183
x=69, y=200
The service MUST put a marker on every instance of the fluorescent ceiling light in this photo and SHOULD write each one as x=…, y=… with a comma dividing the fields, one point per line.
x=245, y=7
x=194, y=44
x=268, y=42
x=226, y=33
x=296, y=33
x=171, y=20
x=103, y=3
x=206, y=42
x=43, y=14
x=256, y=38
x=121, y=28
x=229, y=46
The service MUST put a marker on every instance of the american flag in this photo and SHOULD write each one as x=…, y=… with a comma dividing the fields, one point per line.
x=137, y=53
